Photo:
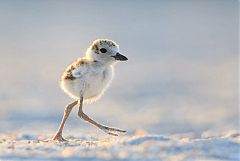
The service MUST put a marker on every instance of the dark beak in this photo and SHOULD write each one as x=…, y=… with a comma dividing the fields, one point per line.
x=120, y=57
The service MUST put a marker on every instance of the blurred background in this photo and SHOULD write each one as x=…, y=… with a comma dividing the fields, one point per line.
x=181, y=77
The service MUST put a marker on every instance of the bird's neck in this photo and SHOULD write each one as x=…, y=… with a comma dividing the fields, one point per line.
x=100, y=62
x=105, y=64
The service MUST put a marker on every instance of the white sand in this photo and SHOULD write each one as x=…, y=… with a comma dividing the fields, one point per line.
x=140, y=146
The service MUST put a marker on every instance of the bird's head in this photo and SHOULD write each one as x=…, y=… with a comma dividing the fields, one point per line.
x=105, y=51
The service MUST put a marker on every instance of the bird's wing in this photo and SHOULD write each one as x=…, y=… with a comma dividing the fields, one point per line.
x=79, y=67
x=76, y=69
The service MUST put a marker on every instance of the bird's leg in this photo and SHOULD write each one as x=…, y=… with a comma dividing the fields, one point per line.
x=108, y=130
x=67, y=111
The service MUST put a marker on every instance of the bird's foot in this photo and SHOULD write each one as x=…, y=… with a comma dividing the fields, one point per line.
x=112, y=131
x=58, y=137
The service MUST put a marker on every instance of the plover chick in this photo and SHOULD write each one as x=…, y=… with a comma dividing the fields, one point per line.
x=86, y=79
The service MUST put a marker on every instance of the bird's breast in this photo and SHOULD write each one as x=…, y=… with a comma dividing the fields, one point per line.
x=97, y=82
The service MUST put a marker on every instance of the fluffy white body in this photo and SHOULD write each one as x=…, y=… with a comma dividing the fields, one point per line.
x=89, y=77
x=91, y=81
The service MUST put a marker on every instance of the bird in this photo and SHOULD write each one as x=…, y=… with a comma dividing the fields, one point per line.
x=87, y=78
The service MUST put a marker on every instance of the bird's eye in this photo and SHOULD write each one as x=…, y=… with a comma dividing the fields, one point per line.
x=103, y=50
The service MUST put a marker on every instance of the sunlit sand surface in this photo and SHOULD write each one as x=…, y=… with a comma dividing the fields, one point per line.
x=139, y=146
